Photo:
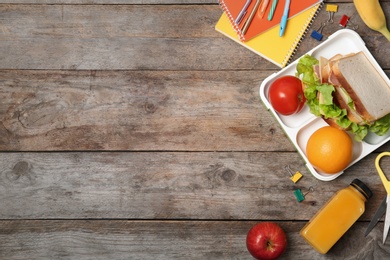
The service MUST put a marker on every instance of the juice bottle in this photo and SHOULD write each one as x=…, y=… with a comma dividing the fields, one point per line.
x=336, y=216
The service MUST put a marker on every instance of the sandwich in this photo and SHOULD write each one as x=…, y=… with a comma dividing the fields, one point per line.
x=348, y=92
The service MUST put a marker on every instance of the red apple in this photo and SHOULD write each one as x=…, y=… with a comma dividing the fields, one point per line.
x=266, y=240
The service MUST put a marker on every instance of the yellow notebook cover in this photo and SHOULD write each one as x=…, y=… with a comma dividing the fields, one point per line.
x=269, y=45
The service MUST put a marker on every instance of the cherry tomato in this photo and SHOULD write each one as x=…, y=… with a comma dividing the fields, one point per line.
x=286, y=95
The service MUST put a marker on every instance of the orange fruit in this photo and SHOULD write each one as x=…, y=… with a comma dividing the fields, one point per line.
x=329, y=150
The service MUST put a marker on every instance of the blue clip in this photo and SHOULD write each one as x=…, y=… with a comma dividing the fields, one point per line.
x=318, y=34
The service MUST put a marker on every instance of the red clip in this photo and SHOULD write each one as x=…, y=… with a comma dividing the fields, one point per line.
x=344, y=20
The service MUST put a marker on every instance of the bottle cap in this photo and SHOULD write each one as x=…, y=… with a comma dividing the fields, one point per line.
x=362, y=188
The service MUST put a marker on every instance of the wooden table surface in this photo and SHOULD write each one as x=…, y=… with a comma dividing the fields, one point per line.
x=131, y=129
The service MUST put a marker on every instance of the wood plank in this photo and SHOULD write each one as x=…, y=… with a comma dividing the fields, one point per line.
x=126, y=110
x=134, y=37
x=121, y=239
x=152, y=185
x=136, y=110
x=115, y=37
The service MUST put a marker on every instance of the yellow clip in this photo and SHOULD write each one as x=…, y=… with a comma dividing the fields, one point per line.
x=331, y=8
x=295, y=177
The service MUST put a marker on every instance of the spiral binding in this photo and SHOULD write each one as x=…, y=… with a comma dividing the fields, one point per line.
x=234, y=25
x=300, y=37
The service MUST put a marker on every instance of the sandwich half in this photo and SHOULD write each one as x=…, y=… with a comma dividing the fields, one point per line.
x=369, y=93
x=348, y=92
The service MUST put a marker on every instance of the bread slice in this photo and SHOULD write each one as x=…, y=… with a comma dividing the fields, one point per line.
x=341, y=97
x=326, y=67
x=323, y=62
x=367, y=88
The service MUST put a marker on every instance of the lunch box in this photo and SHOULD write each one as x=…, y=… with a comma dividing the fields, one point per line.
x=299, y=127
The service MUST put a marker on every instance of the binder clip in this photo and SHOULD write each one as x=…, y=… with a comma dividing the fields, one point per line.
x=295, y=177
x=346, y=21
x=318, y=34
x=300, y=196
x=331, y=9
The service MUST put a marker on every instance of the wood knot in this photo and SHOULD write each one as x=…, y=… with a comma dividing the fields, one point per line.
x=21, y=174
x=218, y=174
x=20, y=169
x=272, y=131
x=228, y=175
x=150, y=108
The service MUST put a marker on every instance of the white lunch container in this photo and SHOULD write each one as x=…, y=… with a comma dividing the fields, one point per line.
x=299, y=127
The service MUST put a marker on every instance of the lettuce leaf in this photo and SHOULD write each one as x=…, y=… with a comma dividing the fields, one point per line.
x=310, y=81
x=381, y=126
x=359, y=131
x=305, y=69
x=326, y=91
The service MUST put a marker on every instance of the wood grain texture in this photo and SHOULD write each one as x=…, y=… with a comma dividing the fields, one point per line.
x=124, y=239
x=141, y=110
x=102, y=37
x=136, y=110
x=152, y=185
x=126, y=110
x=137, y=37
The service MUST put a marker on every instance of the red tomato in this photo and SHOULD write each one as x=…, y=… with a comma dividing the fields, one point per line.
x=286, y=95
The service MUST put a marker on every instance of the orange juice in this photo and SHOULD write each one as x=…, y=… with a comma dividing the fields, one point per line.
x=334, y=219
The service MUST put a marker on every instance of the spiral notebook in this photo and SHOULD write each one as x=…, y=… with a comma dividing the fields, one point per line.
x=269, y=45
x=261, y=24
